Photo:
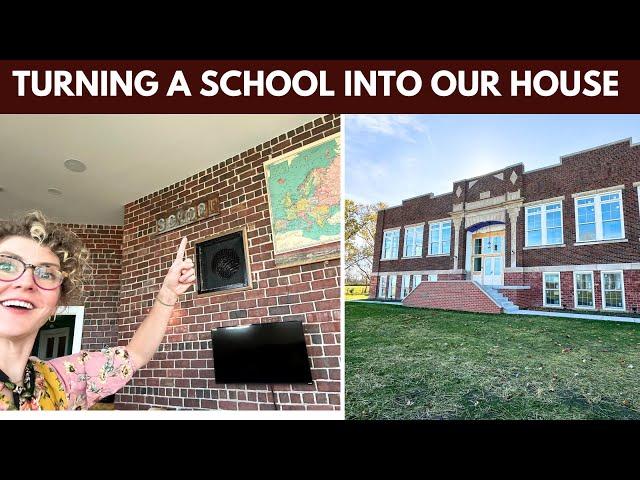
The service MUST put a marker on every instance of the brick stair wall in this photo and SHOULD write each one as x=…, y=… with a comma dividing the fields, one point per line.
x=463, y=295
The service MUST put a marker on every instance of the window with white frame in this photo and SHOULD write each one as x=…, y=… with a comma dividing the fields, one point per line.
x=583, y=282
x=413, y=241
x=382, y=286
x=599, y=217
x=543, y=225
x=390, y=242
x=406, y=285
x=440, y=238
x=391, y=290
x=416, y=280
x=432, y=278
x=551, y=289
x=612, y=290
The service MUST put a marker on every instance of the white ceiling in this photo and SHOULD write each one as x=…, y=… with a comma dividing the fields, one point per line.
x=127, y=157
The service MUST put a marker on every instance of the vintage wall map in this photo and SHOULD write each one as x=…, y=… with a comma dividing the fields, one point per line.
x=303, y=187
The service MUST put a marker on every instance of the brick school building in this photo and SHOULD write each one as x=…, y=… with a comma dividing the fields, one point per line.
x=566, y=236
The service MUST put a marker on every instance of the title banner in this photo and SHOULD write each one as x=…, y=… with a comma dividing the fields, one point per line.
x=285, y=86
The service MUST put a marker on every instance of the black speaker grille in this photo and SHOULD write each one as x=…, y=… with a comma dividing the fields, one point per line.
x=225, y=263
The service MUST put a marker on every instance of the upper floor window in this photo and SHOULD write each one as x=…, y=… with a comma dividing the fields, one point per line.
x=413, y=241
x=543, y=225
x=599, y=217
x=440, y=238
x=390, y=242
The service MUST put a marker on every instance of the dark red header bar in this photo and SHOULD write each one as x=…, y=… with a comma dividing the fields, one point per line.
x=283, y=86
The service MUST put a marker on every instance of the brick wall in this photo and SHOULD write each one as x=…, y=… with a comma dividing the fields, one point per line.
x=451, y=295
x=631, y=289
x=415, y=210
x=104, y=243
x=181, y=374
x=617, y=164
x=533, y=297
x=521, y=298
x=373, y=287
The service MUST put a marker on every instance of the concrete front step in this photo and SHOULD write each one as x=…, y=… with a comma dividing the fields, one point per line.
x=507, y=305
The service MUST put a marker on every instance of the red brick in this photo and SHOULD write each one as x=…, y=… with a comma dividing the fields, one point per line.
x=131, y=277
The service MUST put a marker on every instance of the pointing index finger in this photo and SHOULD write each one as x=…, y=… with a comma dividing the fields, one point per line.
x=181, y=249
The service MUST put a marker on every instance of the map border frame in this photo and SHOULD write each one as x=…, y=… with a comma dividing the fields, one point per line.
x=311, y=254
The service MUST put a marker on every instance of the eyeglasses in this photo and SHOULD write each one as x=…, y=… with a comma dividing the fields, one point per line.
x=47, y=277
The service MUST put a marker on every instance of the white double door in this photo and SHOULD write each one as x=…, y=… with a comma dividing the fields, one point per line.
x=488, y=258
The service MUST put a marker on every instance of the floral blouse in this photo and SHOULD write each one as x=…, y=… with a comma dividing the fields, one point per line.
x=74, y=382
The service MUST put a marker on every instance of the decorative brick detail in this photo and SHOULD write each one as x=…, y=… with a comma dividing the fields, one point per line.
x=461, y=295
x=181, y=374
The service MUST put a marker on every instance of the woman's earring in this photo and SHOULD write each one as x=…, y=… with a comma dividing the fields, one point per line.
x=52, y=319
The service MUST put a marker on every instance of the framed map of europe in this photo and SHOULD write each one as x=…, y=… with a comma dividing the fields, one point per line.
x=303, y=189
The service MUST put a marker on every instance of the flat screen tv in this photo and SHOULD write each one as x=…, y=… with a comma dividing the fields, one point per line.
x=261, y=353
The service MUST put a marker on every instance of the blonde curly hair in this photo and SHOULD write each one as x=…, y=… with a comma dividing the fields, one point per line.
x=73, y=256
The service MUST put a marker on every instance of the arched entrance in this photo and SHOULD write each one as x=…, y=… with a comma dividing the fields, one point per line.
x=485, y=252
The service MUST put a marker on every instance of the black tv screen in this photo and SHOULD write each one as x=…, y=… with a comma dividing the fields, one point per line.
x=261, y=353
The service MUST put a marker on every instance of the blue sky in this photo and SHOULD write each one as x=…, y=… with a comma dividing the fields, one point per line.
x=393, y=157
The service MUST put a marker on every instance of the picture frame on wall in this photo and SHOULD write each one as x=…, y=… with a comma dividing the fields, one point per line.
x=303, y=192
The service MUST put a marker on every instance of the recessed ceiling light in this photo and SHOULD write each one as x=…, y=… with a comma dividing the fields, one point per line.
x=75, y=165
x=54, y=191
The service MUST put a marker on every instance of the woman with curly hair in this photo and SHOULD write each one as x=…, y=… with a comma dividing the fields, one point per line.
x=41, y=266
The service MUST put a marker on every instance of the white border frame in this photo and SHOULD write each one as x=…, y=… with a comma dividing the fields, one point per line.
x=404, y=293
x=544, y=290
x=384, y=232
x=404, y=242
x=78, y=325
x=624, y=303
x=543, y=224
x=638, y=189
x=391, y=294
x=575, y=290
x=598, y=220
x=380, y=278
x=440, y=222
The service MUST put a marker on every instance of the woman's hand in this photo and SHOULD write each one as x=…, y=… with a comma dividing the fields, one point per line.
x=180, y=277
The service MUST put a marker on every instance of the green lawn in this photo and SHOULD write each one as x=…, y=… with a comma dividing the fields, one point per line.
x=408, y=363
x=356, y=292
x=348, y=297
